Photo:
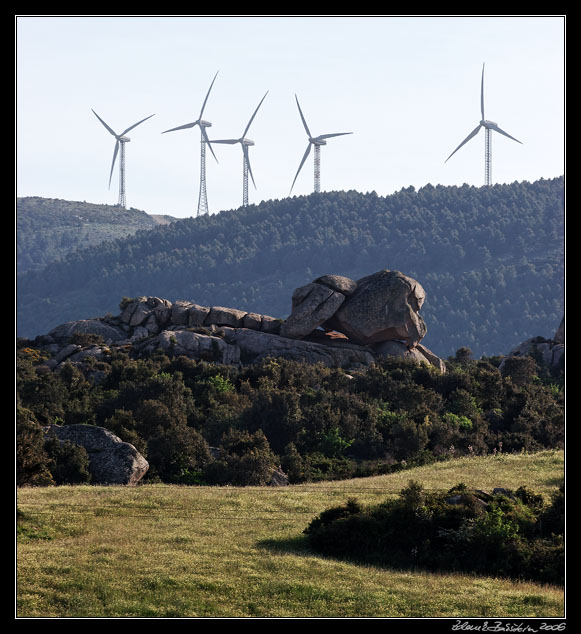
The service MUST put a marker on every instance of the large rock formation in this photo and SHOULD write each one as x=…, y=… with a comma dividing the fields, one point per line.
x=380, y=307
x=334, y=320
x=312, y=305
x=384, y=307
x=111, y=461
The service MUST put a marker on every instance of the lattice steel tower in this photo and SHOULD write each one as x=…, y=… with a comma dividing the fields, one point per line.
x=244, y=144
x=245, y=169
x=120, y=141
x=122, y=202
x=203, y=195
x=316, y=141
x=488, y=126
x=487, y=157
x=317, y=162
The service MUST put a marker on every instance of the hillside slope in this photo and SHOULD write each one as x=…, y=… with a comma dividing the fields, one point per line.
x=49, y=229
x=491, y=260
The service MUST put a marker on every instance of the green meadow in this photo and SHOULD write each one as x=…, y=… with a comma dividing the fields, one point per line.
x=160, y=551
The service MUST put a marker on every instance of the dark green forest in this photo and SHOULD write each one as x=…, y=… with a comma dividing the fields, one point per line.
x=491, y=260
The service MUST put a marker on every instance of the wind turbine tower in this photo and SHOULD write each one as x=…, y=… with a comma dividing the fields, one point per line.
x=245, y=143
x=203, y=124
x=315, y=142
x=489, y=127
x=120, y=142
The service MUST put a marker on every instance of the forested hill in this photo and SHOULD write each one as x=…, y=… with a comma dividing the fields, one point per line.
x=491, y=260
x=49, y=228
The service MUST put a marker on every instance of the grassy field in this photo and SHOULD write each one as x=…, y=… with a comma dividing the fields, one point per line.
x=171, y=551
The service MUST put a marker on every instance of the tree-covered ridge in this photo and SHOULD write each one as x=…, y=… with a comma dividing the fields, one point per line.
x=49, y=228
x=491, y=260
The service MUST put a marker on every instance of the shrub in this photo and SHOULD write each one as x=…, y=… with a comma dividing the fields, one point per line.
x=68, y=463
x=333, y=445
x=85, y=339
x=246, y=459
x=458, y=530
x=553, y=518
x=177, y=451
x=390, y=416
x=220, y=383
x=521, y=370
x=32, y=461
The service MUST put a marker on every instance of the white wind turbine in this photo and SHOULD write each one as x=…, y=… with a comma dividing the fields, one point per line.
x=120, y=142
x=488, y=126
x=245, y=143
x=203, y=196
x=315, y=142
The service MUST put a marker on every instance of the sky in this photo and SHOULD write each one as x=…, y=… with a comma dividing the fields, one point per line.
x=406, y=87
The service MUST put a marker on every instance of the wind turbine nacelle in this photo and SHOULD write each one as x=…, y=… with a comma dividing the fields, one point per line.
x=204, y=124
x=247, y=141
x=486, y=123
x=318, y=142
x=123, y=139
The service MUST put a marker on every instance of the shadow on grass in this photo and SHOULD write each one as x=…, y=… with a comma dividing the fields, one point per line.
x=298, y=545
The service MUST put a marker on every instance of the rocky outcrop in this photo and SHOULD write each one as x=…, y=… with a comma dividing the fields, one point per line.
x=383, y=307
x=244, y=346
x=312, y=305
x=380, y=307
x=333, y=320
x=194, y=345
x=419, y=353
x=255, y=346
x=548, y=352
x=88, y=326
x=111, y=461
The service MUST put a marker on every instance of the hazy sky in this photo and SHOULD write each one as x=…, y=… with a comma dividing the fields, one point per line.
x=408, y=87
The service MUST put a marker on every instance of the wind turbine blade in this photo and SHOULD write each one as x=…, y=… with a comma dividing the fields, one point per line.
x=305, y=155
x=303, y=118
x=114, y=159
x=247, y=159
x=136, y=124
x=207, y=95
x=207, y=141
x=252, y=117
x=328, y=136
x=101, y=120
x=473, y=133
x=182, y=127
x=482, y=93
x=497, y=129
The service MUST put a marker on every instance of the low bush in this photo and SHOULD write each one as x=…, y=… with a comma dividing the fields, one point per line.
x=68, y=463
x=511, y=534
x=244, y=459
